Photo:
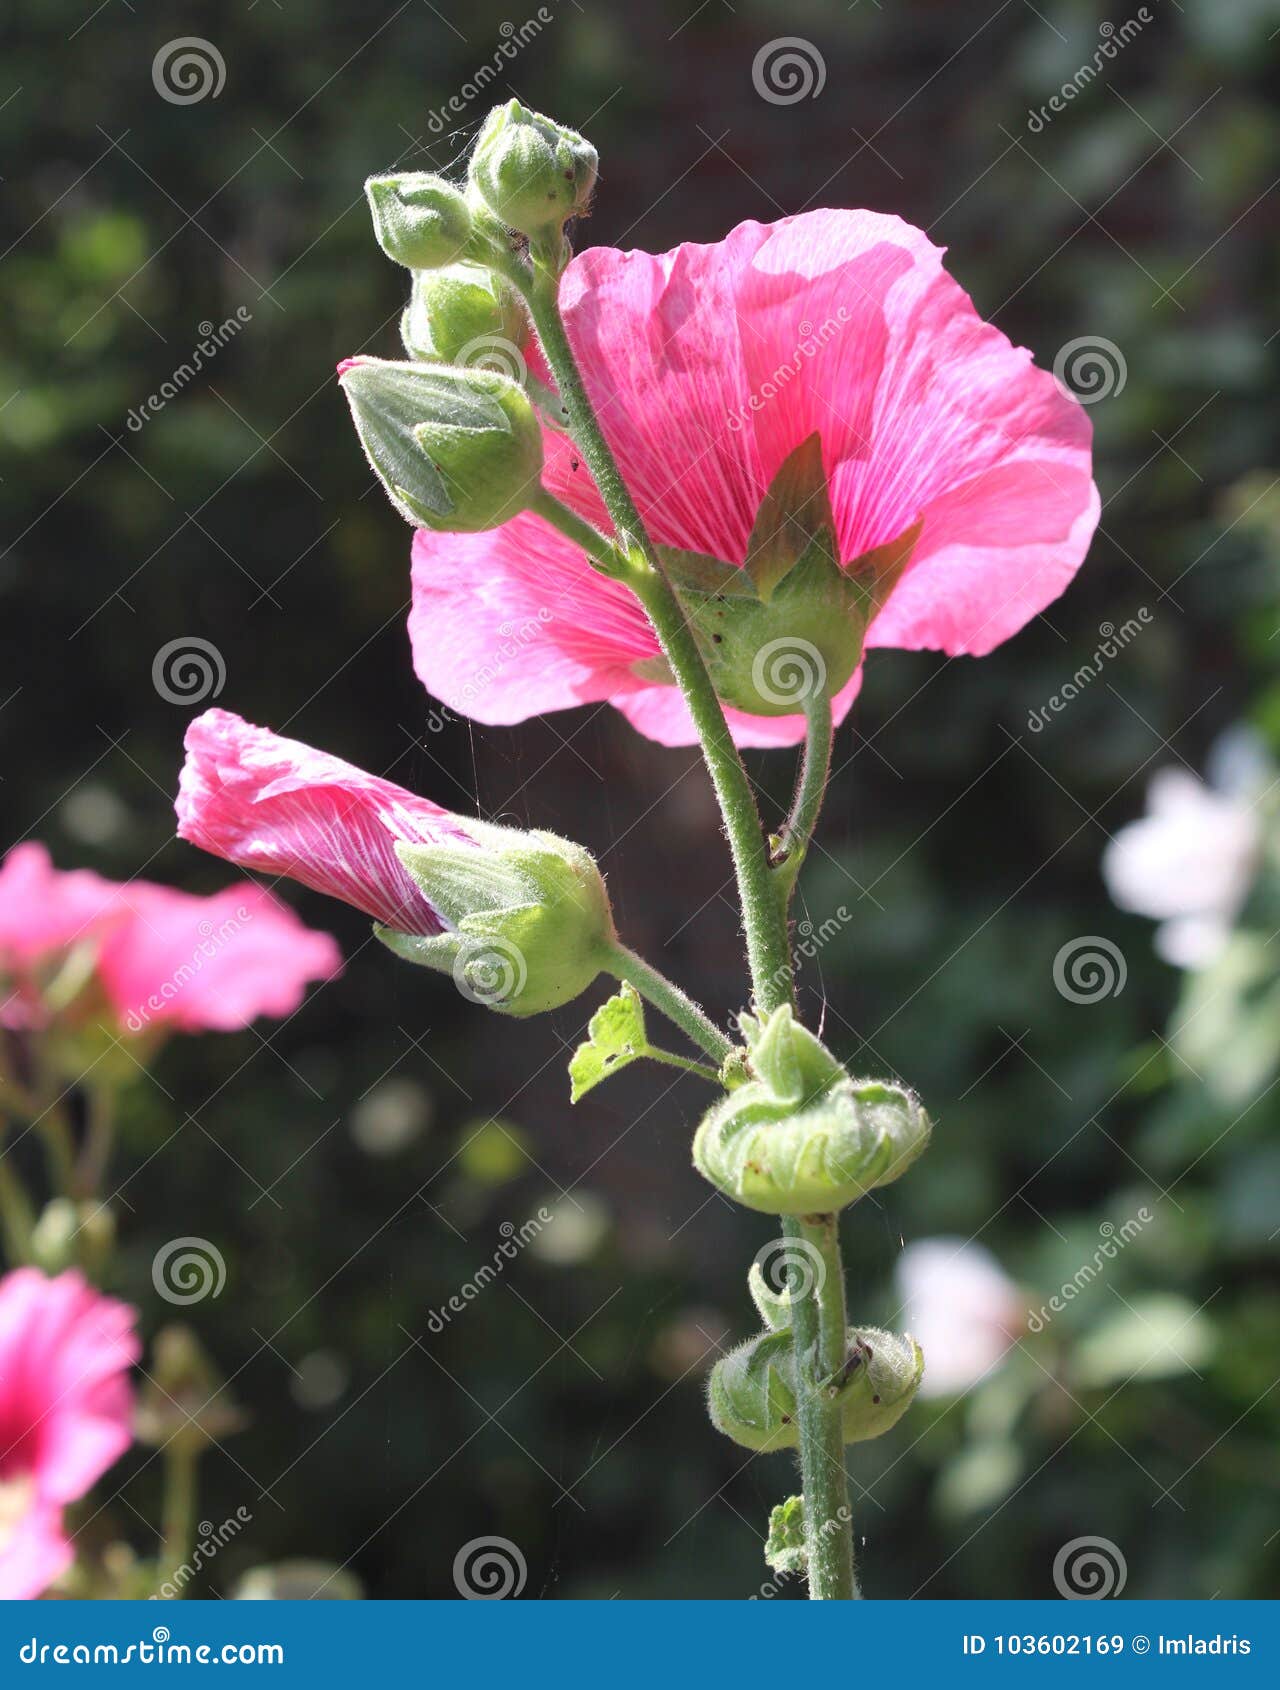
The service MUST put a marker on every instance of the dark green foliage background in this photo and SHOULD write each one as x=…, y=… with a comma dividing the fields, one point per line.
x=964, y=848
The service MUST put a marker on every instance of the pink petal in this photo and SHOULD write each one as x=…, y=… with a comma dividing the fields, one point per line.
x=217, y=962
x=280, y=807
x=33, y=1555
x=65, y=1398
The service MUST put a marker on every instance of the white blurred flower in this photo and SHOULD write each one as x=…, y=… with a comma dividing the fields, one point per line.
x=1191, y=860
x=960, y=1307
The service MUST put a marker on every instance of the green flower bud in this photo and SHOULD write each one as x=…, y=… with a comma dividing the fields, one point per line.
x=184, y=1400
x=421, y=221
x=752, y=1393
x=466, y=315
x=803, y=1138
x=532, y=173
x=457, y=450
x=528, y=920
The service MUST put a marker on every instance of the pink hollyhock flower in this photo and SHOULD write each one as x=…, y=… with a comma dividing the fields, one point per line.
x=707, y=367
x=66, y=1408
x=161, y=957
x=278, y=806
x=962, y=1309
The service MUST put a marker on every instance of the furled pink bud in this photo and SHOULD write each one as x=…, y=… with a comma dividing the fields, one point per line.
x=280, y=807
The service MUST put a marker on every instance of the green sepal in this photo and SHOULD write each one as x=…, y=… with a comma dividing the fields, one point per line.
x=526, y=917
x=802, y=1137
x=794, y=511
x=615, y=1038
x=784, y=1549
x=426, y=950
x=773, y=1307
x=790, y=624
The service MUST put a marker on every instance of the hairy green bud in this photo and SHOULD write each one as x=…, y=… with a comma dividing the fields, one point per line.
x=531, y=172
x=752, y=1394
x=457, y=450
x=802, y=1138
x=421, y=220
x=528, y=922
x=464, y=314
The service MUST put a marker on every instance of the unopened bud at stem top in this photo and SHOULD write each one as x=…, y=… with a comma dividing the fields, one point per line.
x=421, y=221
x=532, y=173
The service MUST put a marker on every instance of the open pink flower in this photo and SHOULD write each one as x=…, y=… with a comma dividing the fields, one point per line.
x=161, y=957
x=276, y=805
x=708, y=366
x=65, y=1413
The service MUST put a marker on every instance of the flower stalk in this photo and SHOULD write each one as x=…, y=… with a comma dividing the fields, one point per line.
x=765, y=890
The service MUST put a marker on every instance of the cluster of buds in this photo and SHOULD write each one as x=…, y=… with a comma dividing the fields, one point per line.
x=453, y=434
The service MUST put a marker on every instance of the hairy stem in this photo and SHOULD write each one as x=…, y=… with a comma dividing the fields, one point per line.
x=764, y=922
x=818, y=1323
x=811, y=789
x=665, y=995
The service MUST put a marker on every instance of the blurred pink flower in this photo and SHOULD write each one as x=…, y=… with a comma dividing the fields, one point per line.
x=708, y=366
x=961, y=1308
x=276, y=805
x=65, y=1412
x=161, y=957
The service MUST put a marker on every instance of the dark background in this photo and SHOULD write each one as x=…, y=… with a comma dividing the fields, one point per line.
x=562, y=1409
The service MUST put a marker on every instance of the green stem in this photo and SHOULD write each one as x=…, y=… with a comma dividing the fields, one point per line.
x=811, y=789
x=655, y=1053
x=768, y=950
x=181, y=1462
x=819, y=1322
x=17, y=1217
x=665, y=995
x=95, y=1153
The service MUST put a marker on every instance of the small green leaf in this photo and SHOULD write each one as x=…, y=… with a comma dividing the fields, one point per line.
x=615, y=1037
x=784, y=1551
